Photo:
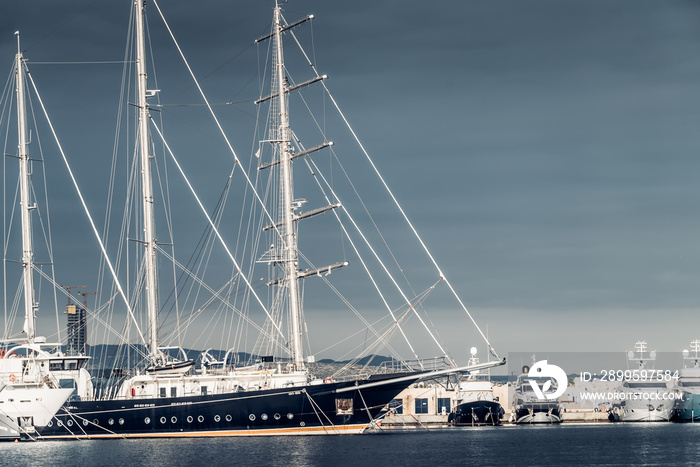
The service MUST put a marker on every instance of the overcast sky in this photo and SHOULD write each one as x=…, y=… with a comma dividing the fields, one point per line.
x=545, y=150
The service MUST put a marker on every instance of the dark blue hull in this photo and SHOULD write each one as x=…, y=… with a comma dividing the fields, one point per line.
x=688, y=408
x=477, y=413
x=313, y=409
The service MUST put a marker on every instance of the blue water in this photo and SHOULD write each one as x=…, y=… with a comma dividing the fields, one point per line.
x=603, y=444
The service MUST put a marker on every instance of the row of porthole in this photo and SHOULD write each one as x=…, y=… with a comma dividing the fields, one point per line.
x=264, y=417
x=69, y=423
x=163, y=420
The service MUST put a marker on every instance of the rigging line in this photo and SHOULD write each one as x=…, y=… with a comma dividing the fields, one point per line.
x=216, y=231
x=216, y=120
x=308, y=163
x=79, y=63
x=420, y=240
x=115, y=150
x=200, y=247
x=410, y=224
x=391, y=253
x=376, y=256
x=85, y=208
x=94, y=315
x=48, y=237
x=220, y=67
x=62, y=25
x=161, y=106
x=212, y=291
x=349, y=305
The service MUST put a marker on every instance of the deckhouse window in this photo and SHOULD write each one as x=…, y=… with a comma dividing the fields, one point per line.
x=343, y=407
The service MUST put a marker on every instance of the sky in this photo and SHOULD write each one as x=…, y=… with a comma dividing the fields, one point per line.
x=545, y=150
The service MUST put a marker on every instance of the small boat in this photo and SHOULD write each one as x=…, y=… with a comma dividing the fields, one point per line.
x=476, y=404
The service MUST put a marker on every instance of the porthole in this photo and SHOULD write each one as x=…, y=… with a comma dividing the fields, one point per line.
x=121, y=421
x=147, y=420
x=59, y=423
x=173, y=420
x=228, y=418
x=69, y=423
x=290, y=416
x=85, y=423
x=251, y=417
x=200, y=419
x=264, y=416
x=50, y=424
x=96, y=421
x=110, y=421
x=277, y=416
x=302, y=424
x=189, y=419
x=217, y=418
x=163, y=419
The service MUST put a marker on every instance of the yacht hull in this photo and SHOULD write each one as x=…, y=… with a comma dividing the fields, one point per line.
x=647, y=405
x=478, y=413
x=333, y=408
x=688, y=408
x=538, y=413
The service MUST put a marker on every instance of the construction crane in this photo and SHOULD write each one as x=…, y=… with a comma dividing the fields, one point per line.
x=68, y=289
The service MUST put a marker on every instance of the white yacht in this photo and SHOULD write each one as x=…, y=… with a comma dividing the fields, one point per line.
x=645, y=396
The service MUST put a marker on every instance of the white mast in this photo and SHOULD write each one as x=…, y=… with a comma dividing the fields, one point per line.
x=149, y=233
x=291, y=258
x=30, y=305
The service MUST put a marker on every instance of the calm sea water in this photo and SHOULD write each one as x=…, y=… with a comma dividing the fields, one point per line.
x=618, y=444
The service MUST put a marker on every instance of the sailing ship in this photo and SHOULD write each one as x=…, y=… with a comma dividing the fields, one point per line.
x=30, y=367
x=170, y=396
x=688, y=383
x=645, y=397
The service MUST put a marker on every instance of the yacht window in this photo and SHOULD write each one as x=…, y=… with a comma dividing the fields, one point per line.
x=162, y=392
x=173, y=392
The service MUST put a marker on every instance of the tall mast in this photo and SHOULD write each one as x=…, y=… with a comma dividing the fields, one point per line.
x=30, y=305
x=290, y=259
x=149, y=233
